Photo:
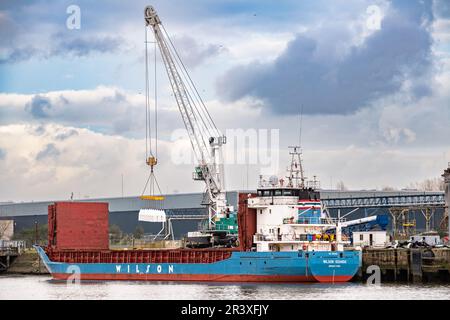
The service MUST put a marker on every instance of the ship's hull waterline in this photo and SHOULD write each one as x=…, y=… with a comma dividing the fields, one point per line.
x=299, y=267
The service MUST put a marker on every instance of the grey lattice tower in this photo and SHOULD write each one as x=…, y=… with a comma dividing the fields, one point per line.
x=446, y=176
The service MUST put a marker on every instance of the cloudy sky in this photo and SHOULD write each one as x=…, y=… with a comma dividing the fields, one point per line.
x=372, y=78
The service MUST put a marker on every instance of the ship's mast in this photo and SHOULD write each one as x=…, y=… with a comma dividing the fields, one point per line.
x=296, y=177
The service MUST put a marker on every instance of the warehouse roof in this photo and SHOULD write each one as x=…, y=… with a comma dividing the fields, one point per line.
x=174, y=201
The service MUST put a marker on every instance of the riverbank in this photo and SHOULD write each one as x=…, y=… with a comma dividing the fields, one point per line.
x=28, y=263
x=407, y=264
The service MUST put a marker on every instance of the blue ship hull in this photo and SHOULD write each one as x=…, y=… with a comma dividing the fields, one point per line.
x=322, y=266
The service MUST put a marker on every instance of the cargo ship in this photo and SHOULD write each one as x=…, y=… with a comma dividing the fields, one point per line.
x=283, y=235
x=278, y=234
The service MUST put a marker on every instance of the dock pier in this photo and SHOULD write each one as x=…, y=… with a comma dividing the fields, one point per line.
x=7, y=256
x=408, y=264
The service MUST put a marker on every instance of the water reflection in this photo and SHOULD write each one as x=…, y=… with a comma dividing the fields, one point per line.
x=41, y=287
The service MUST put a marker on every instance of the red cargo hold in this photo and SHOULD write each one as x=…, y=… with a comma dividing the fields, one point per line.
x=246, y=221
x=78, y=225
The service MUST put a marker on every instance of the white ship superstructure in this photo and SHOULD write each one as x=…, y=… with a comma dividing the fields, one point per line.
x=291, y=218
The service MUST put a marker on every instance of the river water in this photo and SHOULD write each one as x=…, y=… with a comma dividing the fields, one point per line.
x=42, y=287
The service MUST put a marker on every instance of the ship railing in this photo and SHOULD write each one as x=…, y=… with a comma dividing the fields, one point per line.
x=268, y=201
x=257, y=237
x=262, y=237
x=9, y=251
x=314, y=184
x=12, y=247
x=322, y=238
x=313, y=221
x=332, y=220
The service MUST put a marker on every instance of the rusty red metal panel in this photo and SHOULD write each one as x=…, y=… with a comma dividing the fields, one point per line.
x=78, y=225
x=51, y=226
x=247, y=222
x=139, y=256
x=78, y=233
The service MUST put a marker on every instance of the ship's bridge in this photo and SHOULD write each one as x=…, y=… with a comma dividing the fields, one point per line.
x=303, y=194
x=282, y=196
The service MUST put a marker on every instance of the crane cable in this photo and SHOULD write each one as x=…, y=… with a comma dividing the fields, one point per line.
x=202, y=111
x=148, y=111
x=191, y=84
x=200, y=114
x=150, y=155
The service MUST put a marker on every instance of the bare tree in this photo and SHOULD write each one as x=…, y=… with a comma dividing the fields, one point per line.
x=341, y=186
x=138, y=232
x=432, y=184
x=388, y=188
x=5, y=225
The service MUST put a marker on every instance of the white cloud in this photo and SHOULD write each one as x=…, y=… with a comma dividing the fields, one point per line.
x=86, y=163
x=88, y=138
x=397, y=142
x=374, y=168
x=441, y=36
x=104, y=109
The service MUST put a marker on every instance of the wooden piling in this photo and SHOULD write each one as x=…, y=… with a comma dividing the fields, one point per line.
x=417, y=264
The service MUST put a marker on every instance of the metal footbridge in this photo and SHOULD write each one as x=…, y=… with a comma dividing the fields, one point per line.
x=429, y=199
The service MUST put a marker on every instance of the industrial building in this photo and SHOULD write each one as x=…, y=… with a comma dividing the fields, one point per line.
x=374, y=238
x=123, y=211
